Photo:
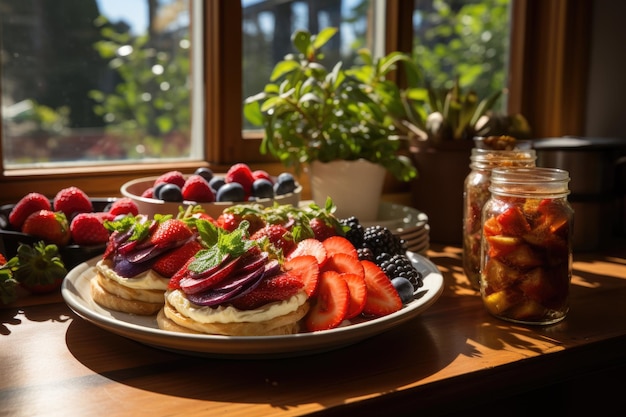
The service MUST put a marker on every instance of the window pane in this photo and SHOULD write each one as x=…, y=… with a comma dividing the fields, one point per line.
x=87, y=81
x=468, y=39
x=268, y=25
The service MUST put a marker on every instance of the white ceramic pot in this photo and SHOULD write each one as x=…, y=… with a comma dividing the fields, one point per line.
x=354, y=186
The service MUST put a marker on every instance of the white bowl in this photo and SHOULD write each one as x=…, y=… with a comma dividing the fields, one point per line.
x=150, y=206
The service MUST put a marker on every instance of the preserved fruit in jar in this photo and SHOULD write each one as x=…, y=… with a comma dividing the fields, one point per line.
x=526, y=261
x=475, y=195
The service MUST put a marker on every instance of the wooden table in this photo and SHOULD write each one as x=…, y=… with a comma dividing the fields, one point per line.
x=454, y=359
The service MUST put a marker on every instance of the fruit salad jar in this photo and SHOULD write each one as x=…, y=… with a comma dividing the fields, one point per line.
x=526, y=261
x=475, y=195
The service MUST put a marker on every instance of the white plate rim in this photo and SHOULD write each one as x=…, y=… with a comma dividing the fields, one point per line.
x=75, y=292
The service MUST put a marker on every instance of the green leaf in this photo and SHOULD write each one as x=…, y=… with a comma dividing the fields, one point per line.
x=301, y=39
x=323, y=37
x=283, y=68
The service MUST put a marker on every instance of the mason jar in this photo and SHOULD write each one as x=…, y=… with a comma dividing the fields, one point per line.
x=526, y=260
x=475, y=195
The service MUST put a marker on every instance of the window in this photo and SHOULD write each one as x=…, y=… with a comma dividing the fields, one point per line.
x=102, y=81
x=538, y=29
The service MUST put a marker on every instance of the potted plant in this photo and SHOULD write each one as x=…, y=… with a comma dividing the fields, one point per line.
x=340, y=121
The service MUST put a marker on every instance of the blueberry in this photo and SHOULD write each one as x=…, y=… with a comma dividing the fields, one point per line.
x=171, y=193
x=156, y=192
x=262, y=188
x=287, y=187
x=233, y=191
x=285, y=177
x=205, y=173
x=215, y=183
x=404, y=288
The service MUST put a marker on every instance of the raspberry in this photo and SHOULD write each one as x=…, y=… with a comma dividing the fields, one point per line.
x=171, y=177
x=72, y=200
x=241, y=173
x=197, y=189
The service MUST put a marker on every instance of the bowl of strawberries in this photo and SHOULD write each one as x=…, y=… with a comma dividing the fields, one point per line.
x=214, y=192
x=71, y=220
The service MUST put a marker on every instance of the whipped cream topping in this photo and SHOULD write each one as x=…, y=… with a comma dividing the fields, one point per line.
x=148, y=280
x=230, y=314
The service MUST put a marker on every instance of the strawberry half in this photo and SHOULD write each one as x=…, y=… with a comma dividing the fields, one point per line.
x=27, y=205
x=170, y=231
x=382, y=297
x=305, y=268
x=331, y=304
x=358, y=294
x=310, y=247
x=339, y=244
x=275, y=288
x=168, y=264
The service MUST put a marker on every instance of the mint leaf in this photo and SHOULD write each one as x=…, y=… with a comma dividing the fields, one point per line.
x=222, y=245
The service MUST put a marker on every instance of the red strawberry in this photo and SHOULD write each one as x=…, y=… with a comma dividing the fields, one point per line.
x=241, y=174
x=279, y=236
x=168, y=264
x=322, y=229
x=342, y=262
x=229, y=221
x=124, y=205
x=358, y=294
x=48, y=225
x=339, y=244
x=331, y=304
x=197, y=189
x=27, y=205
x=3, y=260
x=88, y=229
x=306, y=268
x=174, y=283
x=170, y=231
x=171, y=177
x=310, y=247
x=275, y=288
x=72, y=200
x=382, y=297
x=260, y=174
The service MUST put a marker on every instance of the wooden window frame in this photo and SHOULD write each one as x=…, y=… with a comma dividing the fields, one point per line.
x=549, y=65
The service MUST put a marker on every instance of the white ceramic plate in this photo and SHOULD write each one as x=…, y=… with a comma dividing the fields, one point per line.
x=76, y=293
x=395, y=216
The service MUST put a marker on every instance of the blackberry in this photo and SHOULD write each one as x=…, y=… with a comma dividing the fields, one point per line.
x=356, y=232
x=365, y=254
x=399, y=265
x=382, y=240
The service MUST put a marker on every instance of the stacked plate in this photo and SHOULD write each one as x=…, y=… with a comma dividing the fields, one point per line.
x=409, y=224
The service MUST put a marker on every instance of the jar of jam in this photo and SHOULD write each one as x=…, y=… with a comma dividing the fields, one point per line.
x=526, y=261
x=475, y=195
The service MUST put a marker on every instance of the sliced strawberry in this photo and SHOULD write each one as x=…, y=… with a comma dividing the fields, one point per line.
x=310, y=247
x=382, y=297
x=193, y=285
x=169, y=263
x=170, y=231
x=307, y=269
x=339, y=244
x=275, y=288
x=358, y=294
x=342, y=262
x=331, y=304
x=174, y=283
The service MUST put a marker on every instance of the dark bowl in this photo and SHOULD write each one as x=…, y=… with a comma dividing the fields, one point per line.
x=72, y=255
